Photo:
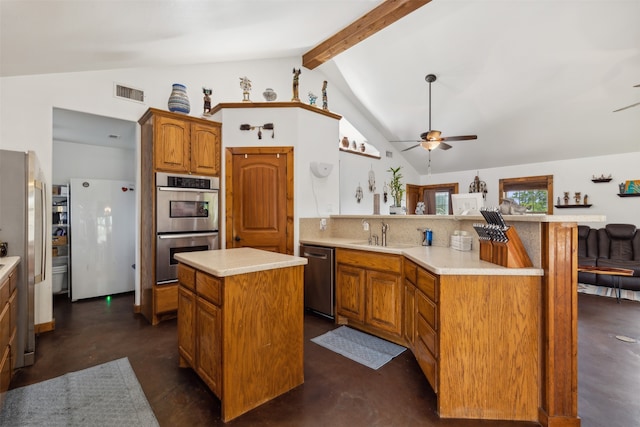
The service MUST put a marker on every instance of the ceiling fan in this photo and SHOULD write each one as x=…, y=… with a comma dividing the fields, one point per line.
x=628, y=106
x=433, y=138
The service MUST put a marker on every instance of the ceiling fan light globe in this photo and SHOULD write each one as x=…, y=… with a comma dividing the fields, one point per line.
x=429, y=145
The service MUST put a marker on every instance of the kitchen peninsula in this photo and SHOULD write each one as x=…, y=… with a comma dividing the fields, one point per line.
x=493, y=342
x=240, y=324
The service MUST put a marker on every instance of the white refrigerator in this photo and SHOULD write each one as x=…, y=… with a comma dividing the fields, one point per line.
x=102, y=214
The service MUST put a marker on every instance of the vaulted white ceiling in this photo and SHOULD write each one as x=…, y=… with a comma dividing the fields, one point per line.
x=536, y=80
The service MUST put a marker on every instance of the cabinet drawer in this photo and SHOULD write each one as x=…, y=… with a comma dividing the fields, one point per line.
x=165, y=298
x=428, y=283
x=187, y=276
x=13, y=312
x=5, y=369
x=13, y=280
x=371, y=260
x=428, y=364
x=209, y=287
x=427, y=310
x=427, y=335
x=410, y=271
x=4, y=292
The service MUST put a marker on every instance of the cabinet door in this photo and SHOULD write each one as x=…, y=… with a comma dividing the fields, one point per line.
x=384, y=301
x=205, y=149
x=350, y=292
x=209, y=344
x=186, y=325
x=409, y=312
x=171, y=145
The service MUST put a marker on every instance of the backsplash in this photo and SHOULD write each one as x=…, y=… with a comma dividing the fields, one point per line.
x=407, y=229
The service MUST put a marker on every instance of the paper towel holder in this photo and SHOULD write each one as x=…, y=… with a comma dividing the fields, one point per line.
x=321, y=170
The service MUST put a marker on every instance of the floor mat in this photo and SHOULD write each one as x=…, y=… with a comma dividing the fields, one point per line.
x=605, y=291
x=104, y=395
x=363, y=348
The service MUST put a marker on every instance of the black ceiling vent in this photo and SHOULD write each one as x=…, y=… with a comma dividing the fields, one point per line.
x=129, y=93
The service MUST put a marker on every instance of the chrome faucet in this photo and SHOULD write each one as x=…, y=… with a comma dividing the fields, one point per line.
x=385, y=228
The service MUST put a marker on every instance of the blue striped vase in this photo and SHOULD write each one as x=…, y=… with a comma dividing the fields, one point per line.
x=178, y=100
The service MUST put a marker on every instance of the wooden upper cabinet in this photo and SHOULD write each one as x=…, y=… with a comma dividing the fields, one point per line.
x=182, y=144
x=171, y=147
x=205, y=149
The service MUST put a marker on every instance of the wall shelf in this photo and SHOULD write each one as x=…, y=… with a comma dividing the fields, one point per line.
x=572, y=206
x=601, y=180
x=359, y=153
x=628, y=194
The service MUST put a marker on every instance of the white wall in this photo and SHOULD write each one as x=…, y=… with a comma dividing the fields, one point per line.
x=568, y=175
x=73, y=160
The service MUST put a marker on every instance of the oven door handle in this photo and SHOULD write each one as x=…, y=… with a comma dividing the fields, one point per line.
x=185, y=235
x=189, y=190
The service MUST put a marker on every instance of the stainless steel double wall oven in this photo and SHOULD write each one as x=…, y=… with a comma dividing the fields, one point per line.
x=186, y=219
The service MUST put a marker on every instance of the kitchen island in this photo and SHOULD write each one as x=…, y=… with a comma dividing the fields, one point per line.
x=240, y=324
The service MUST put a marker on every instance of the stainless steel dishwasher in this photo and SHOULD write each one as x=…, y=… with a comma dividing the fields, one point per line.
x=319, y=284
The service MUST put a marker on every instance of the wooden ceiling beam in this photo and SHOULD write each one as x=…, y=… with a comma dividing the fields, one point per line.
x=382, y=16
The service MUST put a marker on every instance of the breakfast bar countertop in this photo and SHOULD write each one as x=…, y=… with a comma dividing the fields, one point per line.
x=230, y=262
x=7, y=264
x=438, y=260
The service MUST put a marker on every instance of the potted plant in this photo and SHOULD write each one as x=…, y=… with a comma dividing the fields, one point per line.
x=397, y=191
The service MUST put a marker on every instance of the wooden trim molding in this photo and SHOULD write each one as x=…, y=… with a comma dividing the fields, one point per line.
x=45, y=327
x=370, y=23
x=275, y=105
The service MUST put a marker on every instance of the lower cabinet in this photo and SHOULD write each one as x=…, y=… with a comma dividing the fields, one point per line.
x=199, y=330
x=260, y=314
x=369, y=291
x=8, y=329
x=421, y=319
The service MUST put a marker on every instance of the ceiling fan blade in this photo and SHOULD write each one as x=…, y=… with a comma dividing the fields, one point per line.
x=410, y=148
x=459, y=138
x=628, y=106
x=444, y=146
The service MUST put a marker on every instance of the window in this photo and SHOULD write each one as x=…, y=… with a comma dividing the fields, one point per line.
x=436, y=198
x=534, y=192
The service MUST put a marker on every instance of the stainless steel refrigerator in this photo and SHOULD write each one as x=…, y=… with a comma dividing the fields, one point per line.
x=23, y=227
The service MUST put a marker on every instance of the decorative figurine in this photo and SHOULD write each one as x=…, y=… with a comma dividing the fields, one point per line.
x=566, y=197
x=577, y=197
x=345, y=142
x=325, y=105
x=245, y=85
x=312, y=98
x=420, y=208
x=207, y=100
x=296, y=78
x=372, y=180
x=586, y=199
x=269, y=94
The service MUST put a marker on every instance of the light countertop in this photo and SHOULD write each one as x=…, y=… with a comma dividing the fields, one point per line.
x=480, y=218
x=7, y=264
x=230, y=262
x=438, y=260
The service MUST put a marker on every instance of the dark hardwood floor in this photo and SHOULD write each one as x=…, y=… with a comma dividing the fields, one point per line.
x=336, y=391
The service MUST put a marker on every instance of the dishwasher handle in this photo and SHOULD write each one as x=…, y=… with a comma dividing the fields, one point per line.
x=312, y=255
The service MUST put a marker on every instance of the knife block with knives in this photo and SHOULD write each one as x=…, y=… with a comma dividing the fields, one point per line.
x=500, y=244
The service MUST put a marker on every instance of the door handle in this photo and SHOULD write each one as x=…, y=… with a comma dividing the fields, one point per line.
x=237, y=238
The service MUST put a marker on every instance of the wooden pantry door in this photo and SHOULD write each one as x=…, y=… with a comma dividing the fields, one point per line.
x=259, y=198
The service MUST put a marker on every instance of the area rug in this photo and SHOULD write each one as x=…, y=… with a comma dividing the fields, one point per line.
x=363, y=348
x=605, y=291
x=104, y=395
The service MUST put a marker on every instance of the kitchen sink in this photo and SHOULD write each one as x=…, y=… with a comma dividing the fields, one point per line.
x=389, y=245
